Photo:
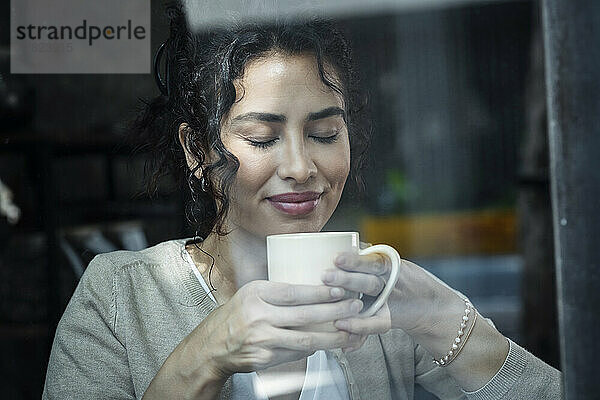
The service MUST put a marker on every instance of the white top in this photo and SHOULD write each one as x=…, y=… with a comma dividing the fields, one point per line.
x=324, y=378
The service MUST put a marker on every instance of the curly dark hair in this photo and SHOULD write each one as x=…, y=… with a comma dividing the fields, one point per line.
x=199, y=90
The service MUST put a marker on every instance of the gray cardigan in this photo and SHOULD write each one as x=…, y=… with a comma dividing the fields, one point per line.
x=131, y=309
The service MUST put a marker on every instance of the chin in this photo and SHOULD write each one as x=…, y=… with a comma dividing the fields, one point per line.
x=295, y=226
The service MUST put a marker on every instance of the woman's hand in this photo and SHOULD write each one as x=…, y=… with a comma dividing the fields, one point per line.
x=418, y=303
x=425, y=308
x=364, y=274
x=258, y=328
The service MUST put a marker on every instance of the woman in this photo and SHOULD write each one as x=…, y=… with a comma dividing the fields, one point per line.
x=263, y=121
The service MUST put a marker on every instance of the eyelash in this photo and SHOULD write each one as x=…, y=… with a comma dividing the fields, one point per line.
x=327, y=139
x=263, y=145
x=320, y=139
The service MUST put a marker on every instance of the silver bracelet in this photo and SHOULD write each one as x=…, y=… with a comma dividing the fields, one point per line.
x=459, y=341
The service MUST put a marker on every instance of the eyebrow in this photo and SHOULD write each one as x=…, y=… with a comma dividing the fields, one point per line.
x=269, y=117
x=328, y=112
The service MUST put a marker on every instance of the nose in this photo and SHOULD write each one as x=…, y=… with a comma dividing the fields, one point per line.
x=296, y=162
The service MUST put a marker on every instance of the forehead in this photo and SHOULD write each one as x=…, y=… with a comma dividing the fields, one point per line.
x=288, y=85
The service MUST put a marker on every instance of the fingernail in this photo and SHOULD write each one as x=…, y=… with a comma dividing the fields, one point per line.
x=328, y=277
x=336, y=292
x=341, y=260
x=356, y=306
x=343, y=325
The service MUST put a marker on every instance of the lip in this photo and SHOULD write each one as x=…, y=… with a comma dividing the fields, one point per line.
x=295, y=203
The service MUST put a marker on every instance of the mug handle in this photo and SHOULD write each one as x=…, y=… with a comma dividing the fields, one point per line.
x=385, y=293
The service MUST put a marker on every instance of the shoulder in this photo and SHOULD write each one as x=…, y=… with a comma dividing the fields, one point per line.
x=123, y=277
x=110, y=273
x=114, y=263
x=124, y=259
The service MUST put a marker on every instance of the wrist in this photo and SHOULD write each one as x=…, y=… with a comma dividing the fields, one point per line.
x=481, y=354
x=438, y=328
x=482, y=357
x=198, y=368
x=184, y=375
x=467, y=323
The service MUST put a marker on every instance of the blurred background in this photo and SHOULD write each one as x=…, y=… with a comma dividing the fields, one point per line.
x=457, y=180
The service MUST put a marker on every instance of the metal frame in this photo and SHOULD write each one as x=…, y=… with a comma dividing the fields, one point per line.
x=572, y=44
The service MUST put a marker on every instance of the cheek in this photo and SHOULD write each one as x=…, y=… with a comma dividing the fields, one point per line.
x=254, y=170
x=336, y=166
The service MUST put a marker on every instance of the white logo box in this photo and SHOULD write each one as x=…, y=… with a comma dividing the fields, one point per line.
x=80, y=37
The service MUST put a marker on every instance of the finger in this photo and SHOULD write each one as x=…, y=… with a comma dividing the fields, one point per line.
x=364, y=326
x=313, y=341
x=375, y=264
x=315, y=313
x=260, y=358
x=284, y=294
x=365, y=283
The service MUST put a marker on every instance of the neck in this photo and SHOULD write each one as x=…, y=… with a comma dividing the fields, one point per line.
x=240, y=256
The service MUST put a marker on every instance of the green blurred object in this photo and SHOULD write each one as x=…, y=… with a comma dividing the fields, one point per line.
x=396, y=193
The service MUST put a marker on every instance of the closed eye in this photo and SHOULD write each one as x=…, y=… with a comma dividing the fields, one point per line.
x=263, y=144
x=268, y=143
x=325, y=139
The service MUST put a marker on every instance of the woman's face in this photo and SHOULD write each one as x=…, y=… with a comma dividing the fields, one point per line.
x=288, y=132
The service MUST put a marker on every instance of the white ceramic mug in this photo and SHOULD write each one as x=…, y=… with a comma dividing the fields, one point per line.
x=301, y=259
